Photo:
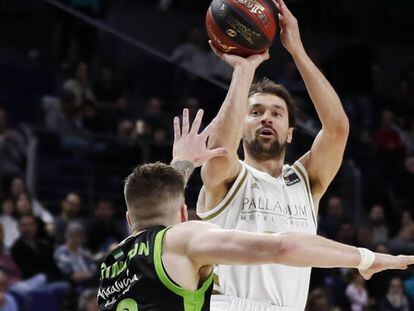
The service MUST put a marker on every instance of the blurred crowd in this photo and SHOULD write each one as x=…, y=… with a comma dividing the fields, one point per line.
x=55, y=229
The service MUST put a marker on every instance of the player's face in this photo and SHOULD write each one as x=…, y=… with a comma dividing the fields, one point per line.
x=266, y=129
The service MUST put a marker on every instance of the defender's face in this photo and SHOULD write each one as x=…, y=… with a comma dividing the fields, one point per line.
x=266, y=128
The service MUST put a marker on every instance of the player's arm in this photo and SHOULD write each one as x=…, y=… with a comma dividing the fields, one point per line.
x=322, y=162
x=218, y=173
x=206, y=244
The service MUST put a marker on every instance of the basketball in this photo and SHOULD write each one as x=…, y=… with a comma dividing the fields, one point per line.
x=241, y=27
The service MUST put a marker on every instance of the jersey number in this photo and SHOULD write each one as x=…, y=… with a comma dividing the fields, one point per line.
x=127, y=304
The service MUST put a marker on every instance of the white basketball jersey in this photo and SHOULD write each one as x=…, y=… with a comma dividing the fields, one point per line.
x=258, y=202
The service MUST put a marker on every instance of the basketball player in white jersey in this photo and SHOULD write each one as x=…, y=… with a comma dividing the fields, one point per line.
x=262, y=193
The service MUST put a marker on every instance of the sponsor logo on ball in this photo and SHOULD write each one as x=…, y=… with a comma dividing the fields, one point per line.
x=257, y=9
x=226, y=48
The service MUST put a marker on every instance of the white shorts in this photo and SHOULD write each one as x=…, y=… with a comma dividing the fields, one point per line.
x=230, y=303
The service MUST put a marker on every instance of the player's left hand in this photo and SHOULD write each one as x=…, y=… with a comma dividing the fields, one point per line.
x=191, y=146
x=289, y=29
x=385, y=262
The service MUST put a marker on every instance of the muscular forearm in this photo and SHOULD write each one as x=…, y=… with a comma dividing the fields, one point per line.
x=229, y=126
x=304, y=250
x=323, y=95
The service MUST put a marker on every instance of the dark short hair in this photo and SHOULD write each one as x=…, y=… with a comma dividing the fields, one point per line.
x=267, y=86
x=150, y=187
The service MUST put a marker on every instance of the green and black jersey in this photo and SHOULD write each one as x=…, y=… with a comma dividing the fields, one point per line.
x=133, y=278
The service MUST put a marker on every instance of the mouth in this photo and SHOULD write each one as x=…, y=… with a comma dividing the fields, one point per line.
x=266, y=133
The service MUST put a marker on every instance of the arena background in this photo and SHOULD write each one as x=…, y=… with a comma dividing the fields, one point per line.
x=88, y=89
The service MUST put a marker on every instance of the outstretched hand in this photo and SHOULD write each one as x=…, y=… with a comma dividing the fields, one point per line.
x=250, y=62
x=191, y=146
x=387, y=262
x=289, y=28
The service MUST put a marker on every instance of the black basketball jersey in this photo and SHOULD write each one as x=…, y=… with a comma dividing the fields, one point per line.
x=133, y=279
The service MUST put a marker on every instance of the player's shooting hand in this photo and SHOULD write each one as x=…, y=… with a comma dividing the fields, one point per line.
x=191, y=146
x=387, y=262
x=249, y=63
x=289, y=29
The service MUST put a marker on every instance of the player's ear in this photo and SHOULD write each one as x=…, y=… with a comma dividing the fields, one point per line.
x=184, y=213
x=128, y=218
x=290, y=135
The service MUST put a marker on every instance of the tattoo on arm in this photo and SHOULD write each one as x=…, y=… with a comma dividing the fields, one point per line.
x=186, y=168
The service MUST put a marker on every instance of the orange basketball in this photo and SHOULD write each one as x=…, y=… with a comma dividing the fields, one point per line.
x=242, y=27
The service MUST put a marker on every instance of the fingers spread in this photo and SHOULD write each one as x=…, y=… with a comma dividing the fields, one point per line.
x=186, y=122
x=177, y=130
x=197, y=121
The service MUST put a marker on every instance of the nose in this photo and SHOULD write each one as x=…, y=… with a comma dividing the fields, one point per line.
x=267, y=118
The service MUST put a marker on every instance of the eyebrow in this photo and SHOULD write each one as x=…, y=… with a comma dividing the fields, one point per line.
x=258, y=105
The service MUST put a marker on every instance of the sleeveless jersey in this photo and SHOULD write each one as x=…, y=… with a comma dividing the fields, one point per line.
x=258, y=202
x=133, y=279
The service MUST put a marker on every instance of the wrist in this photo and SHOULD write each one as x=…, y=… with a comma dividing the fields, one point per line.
x=244, y=70
x=180, y=159
x=185, y=167
x=367, y=258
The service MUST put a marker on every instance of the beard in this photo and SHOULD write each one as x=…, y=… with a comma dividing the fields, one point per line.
x=261, y=151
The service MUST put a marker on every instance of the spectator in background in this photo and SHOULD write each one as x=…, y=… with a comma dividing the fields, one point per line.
x=12, y=149
x=18, y=287
x=380, y=231
x=32, y=254
x=406, y=219
x=65, y=120
x=7, y=302
x=329, y=224
x=17, y=189
x=69, y=212
x=9, y=222
x=409, y=138
x=160, y=149
x=389, y=142
x=7, y=263
x=403, y=243
x=364, y=237
x=317, y=301
x=345, y=233
x=357, y=293
x=154, y=115
x=402, y=184
x=105, y=229
x=92, y=120
x=395, y=299
x=24, y=207
x=387, y=135
x=74, y=261
x=111, y=103
x=108, y=91
x=193, y=55
x=87, y=301
x=80, y=84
